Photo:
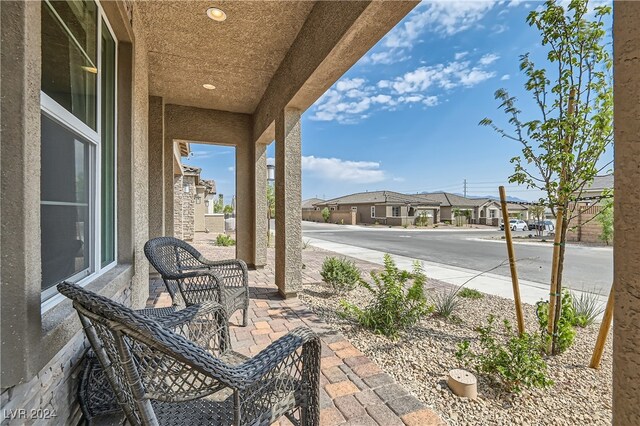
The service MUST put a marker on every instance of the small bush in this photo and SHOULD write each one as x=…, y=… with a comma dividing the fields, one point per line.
x=396, y=303
x=566, y=332
x=470, y=293
x=516, y=363
x=586, y=309
x=340, y=273
x=445, y=302
x=224, y=240
x=326, y=214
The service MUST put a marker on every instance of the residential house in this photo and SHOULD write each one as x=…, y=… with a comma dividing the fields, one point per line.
x=483, y=211
x=384, y=207
x=94, y=95
x=597, y=187
x=310, y=204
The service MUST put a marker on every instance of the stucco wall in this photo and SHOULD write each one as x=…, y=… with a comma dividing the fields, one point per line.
x=337, y=216
x=626, y=318
x=41, y=350
x=214, y=223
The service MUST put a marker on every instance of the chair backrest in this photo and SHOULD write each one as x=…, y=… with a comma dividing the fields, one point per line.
x=170, y=256
x=142, y=359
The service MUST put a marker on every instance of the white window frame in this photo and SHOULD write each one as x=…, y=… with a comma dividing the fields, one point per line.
x=393, y=211
x=50, y=297
x=373, y=212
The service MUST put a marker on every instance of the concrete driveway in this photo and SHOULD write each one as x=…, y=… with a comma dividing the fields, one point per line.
x=585, y=268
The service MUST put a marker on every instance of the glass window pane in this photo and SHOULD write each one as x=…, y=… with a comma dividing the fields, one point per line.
x=65, y=203
x=69, y=33
x=108, y=146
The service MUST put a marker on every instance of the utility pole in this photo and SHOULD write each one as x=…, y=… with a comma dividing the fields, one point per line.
x=465, y=188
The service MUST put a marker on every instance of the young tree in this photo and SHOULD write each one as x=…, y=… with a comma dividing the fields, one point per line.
x=605, y=218
x=228, y=209
x=218, y=205
x=326, y=214
x=537, y=211
x=271, y=200
x=573, y=126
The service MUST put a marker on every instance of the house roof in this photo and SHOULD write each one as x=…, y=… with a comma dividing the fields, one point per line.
x=382, y=197
x=600, y=183
x=448, y=199
x=209, y=184
x=308, y=203
x=190, y=170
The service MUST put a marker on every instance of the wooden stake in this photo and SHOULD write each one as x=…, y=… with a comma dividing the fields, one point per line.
x=553, y=292
x=602, y=334
x=512, y=260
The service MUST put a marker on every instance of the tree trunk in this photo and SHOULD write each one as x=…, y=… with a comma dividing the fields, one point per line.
x=563, y=239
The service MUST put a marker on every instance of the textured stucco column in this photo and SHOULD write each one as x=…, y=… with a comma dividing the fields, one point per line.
x=168, y=178
x=626, y=319
x=261, y=226
x=20, y=189
x=288, y=203
x=156, y=167
x=246, y=202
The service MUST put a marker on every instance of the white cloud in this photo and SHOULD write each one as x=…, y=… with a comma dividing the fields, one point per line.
x=514, y=3
x=460, y=55
x=488, y=59
x=343, y=170
x=440, y=17
x=354, y=99
x=231, y=168
x=505, y=77
x=349, y=84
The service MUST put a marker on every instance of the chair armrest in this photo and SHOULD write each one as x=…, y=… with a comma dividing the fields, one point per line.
x=279, y=354
x=204, y=324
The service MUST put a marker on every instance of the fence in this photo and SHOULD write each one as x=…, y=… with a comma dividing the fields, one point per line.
x=341, y=217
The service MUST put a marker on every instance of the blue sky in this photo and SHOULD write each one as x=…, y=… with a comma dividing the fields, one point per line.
x=405, y=117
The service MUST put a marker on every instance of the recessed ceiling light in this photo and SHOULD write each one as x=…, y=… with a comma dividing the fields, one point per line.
x=216, y=14
x=209, y=86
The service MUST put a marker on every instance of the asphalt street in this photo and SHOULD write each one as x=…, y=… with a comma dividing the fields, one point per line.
x=585, y=268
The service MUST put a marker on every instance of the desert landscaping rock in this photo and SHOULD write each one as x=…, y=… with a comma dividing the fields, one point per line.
x=422, y=356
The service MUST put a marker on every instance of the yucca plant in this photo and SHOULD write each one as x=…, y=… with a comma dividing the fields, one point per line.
x=586, y=308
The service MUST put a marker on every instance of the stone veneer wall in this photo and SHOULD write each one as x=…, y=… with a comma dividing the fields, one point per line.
x=188, y=207
x=177, y=206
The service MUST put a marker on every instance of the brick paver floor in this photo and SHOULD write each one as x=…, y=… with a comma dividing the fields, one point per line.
x=354, y=390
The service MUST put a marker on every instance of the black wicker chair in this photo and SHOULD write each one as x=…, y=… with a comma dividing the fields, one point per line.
x=179, y=370
x=190, y=278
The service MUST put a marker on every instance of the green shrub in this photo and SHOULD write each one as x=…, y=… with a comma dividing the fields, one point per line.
x=586, y=309
x=340, y=273
x=471, y=293
x=397, y=303
x=515, y=363
x=566, y=332
x=326, y=214
x=224, y=240
x=445, y=302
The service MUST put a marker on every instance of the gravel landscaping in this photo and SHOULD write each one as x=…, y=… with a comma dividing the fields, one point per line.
x=422, y=356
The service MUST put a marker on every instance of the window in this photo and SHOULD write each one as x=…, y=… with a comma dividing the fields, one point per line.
x=492, y=214
x=373, y=211
x=395, y=211
x=78, y=143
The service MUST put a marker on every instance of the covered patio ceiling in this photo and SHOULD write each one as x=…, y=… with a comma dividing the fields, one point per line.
x=266, y=55
x=238, y=56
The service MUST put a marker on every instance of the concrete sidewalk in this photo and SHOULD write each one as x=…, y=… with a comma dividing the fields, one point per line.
x=498, y=285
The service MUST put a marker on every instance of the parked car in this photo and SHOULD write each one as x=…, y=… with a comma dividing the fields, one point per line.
x=516, y=225
x=543, y=225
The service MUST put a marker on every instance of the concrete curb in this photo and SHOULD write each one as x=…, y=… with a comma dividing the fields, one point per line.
x=498, y=285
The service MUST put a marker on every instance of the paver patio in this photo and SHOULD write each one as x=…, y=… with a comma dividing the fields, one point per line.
x=354, y=390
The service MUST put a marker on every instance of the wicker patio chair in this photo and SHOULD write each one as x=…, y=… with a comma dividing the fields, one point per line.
x=95, y=395
x=179, y=370
x=190, y=278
